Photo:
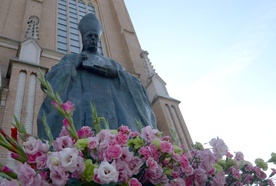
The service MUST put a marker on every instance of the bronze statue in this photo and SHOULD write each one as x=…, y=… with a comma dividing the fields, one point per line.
x=88, y=77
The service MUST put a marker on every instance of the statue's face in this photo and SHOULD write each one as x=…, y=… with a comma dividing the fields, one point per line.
x=90, y=41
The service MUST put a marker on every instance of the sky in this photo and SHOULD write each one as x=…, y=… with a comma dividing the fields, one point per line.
x=219, y=59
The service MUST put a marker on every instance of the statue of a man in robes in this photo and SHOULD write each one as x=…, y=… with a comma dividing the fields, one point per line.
x=89, y=77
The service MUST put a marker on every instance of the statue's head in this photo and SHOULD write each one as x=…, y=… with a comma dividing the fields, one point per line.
x=91, y=30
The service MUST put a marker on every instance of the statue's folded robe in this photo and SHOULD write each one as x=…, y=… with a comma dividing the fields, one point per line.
x=120, y=98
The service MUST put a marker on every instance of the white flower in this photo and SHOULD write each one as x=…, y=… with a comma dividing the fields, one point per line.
x=219, y=147
x=31, y=146
x=53, y=160
x=69, y=159
x=44, y=147
x=107, y=173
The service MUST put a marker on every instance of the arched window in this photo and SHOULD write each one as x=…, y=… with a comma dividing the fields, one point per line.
x=70, y=13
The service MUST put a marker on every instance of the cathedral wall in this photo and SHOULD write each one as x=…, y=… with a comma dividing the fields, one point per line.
x=5, y=55
x=121, y=41
x=168, y=116
x=12, y=16
x=48, y=25
x=113, y=34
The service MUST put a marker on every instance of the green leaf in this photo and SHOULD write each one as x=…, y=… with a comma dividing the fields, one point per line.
x=96, y=119
x=20, y=128
x=139, y=125
x=174, y=136
x=47, y=128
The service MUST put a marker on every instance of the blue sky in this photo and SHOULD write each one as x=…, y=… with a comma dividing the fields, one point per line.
x=219, y=59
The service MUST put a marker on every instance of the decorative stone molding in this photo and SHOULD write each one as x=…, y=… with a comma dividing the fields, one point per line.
x=8, y=43
x=88, y=2
x=29, y=51
x=40, y=1
x=32, y=31
x=150, y=71
x=30, y=104
x=19, y=95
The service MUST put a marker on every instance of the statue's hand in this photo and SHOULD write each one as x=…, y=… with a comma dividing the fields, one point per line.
x=83, y=57
x=106, y=70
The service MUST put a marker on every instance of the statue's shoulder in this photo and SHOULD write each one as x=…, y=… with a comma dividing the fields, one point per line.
x=112, y=62
x=69, y=58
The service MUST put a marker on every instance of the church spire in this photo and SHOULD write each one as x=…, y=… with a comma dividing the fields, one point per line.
x=32, y=31
x=150, y=71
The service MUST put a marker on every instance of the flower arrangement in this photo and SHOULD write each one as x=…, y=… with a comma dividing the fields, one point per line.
x=95, y=156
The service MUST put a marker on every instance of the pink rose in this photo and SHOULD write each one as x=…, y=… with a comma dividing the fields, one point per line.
x=207, y=161
x=200, y=177
x=126, y=154
x=151, y=163
x=154, y=151
x=219, y=147
x=239, y=156
x=219, y=179
x=80, y=166
x=121, y=138
x=166, y=138
x=63, y=132
x=134, y=182
x=41, y=161
x=104, y=137
x=229, y=155
x=93, y=143
x=68, y=107
x=156, y=176
x=273, y=171
x=150, y=151
x=113, y=152
x=166, y=147
x=189, y=170
x=124, y=129
x=31, y=146
x=134, y=134
x=58, y=176
x=32, y=157
x=124, y=172
x=177, y=182
x=96, y=177
x=27, y=175
x=260, y=174
x=249, y=167
x=144, y=151
x=184, y=162
x=62, y=142
x=135, y=164
x=85, y=132
x=6, y=182
x=235, y=173
x=176, y=156
x=270, y=182
x=248, y=179
x=175, y=174
x=149, y=134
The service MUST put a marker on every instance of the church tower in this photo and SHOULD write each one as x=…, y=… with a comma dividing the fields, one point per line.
x=38, y=33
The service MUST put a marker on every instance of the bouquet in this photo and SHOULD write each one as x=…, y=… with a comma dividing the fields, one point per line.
x=96, y=156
